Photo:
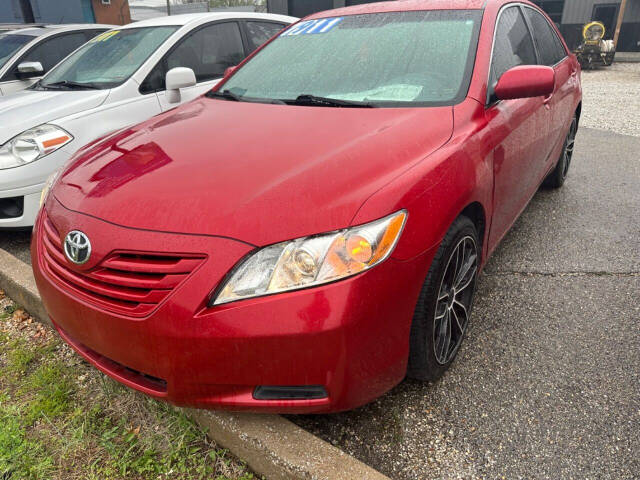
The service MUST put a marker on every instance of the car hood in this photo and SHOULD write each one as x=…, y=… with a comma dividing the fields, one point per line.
x=30, y=108
x=259, y=173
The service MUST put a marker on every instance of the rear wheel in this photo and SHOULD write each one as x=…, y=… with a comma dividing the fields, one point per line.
x=444, y=306
x=556, y=178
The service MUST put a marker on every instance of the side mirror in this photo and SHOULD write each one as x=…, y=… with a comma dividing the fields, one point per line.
x=229, y=71
x=526, y=81
x=177, y=78
x=30, y=69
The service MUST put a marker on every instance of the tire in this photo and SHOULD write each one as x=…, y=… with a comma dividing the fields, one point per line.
x=558, y=175
x=427, y=358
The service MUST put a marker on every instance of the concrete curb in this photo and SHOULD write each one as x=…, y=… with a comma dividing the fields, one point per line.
x=16, y=279
x=270, y=444
x=279, y=449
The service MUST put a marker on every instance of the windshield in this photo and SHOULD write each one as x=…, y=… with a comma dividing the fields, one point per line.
x=383, y=59
x=10, y=44
x=109, y=59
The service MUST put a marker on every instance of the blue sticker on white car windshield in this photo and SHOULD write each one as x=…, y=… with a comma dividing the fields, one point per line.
x=322, y=25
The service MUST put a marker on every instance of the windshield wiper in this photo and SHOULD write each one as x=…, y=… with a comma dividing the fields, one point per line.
x=313, y=100
x=226, y=94
x=229, y=95
x=71, y=85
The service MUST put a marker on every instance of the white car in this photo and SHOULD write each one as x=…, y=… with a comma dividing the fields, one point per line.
x=26, y=54
x=119, y=78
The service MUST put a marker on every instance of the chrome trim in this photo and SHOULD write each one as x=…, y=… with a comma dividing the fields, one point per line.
x=75, y=243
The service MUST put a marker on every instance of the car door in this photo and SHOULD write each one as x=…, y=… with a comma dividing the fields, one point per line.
x=49, y=52
x=208, y=50
x=551, y=52
x=519, y=127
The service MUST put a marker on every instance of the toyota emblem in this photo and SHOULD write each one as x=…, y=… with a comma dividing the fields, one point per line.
x=77, y=247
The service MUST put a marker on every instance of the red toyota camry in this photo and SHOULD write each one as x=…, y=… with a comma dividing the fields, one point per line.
x=311, y=232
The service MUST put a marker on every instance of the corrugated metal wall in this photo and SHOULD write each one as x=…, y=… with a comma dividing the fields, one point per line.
x=580, y=11
x=10, y=11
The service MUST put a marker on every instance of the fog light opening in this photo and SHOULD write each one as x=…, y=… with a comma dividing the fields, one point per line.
x=295, y=392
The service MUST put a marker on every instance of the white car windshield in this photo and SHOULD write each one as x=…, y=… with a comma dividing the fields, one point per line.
x=10, y=44
x=383, y=59
x=108, y=60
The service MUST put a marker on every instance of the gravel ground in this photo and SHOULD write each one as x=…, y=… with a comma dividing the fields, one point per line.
x=612, y=98
x=546, y=384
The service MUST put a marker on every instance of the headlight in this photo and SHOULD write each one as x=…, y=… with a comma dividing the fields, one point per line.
x=47, y=186
x=311, y=261
x=32, y=144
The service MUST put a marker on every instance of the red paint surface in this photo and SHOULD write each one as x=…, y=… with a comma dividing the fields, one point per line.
x=215, y=179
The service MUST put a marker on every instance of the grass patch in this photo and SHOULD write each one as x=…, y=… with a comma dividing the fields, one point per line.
x=61, y=419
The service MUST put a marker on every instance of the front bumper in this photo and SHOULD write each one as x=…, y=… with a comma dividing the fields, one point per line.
x=26, y=183
x=350, y=337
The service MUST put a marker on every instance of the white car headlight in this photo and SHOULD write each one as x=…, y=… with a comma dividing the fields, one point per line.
x=311, y=261
x=32, y=144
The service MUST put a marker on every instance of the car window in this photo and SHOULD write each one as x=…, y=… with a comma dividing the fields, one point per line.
x=111, y=58
x=513, y=45
x=10, y=44
x=49, y=52
x=260, y=32
x=208, y=51
x=386, y=59
x=549, y=46
x=90, y=34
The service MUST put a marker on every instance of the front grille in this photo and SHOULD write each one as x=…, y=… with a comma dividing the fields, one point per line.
x=128, y=283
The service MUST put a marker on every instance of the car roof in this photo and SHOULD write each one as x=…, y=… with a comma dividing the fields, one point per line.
x=47, y=29
x=18, y=26
x=187, y=18
x=404, y=5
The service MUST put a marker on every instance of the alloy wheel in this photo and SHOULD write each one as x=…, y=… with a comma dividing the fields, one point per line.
x=455, y=298
x=568, y=146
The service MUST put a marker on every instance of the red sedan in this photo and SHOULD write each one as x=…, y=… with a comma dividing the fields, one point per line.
x=308, y=234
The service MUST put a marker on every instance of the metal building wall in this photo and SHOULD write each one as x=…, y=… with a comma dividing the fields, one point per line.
x=62, y=11
x=10, y=11
x=580, y=11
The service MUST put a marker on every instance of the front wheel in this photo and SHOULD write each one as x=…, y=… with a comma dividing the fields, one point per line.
x=444, y=306
x=557, y=176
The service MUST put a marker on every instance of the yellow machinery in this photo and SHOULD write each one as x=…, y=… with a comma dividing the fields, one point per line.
x=594, y=50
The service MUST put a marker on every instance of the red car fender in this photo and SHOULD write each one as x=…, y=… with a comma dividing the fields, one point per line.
x=439, y=187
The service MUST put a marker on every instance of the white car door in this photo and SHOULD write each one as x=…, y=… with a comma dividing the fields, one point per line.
x=208, y=50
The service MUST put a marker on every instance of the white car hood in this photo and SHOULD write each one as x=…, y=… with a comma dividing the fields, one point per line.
x=30, y=108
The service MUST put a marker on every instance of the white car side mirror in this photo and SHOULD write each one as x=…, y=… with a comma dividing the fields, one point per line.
x=177, y=78
x=30, y=69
